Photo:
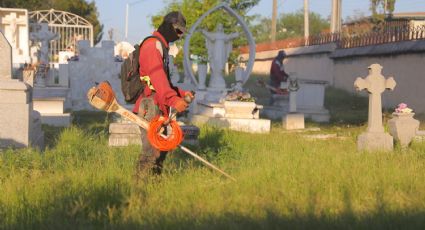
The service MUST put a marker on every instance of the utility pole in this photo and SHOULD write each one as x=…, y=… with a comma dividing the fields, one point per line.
x=336, y=16
x=306, y=22
x=274, y=19
x=127, y=6
x=126, y=21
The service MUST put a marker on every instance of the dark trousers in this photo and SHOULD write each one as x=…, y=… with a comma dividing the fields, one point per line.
x=150, y=159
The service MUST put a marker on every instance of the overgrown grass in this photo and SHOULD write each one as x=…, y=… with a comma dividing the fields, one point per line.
x=284, y=181
x=345, y=107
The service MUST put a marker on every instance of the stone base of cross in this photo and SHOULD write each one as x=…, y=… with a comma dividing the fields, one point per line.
x=375, y=141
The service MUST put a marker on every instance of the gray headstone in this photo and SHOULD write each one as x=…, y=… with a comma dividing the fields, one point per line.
x=5, y=58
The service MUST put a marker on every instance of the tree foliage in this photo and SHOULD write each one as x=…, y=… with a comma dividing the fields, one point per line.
x=377, y=7
x=78, y=7
x=288, y=26
x=193, y=9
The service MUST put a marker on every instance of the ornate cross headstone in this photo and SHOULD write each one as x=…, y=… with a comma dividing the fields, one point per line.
x=375, y=83
x=44, y=36
x=14, y=22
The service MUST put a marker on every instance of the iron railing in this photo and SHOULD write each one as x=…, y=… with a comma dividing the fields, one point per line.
x=388, y=36
x=344, y=41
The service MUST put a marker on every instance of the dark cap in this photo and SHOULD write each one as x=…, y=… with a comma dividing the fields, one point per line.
x=177, y=19
x=281, y=54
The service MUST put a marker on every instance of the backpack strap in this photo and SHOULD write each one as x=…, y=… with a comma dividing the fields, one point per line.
x=165, y=58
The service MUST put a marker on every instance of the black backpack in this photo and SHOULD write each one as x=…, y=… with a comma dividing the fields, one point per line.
x=131, y=85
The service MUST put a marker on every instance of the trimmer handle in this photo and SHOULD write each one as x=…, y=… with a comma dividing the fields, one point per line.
x=189, y=99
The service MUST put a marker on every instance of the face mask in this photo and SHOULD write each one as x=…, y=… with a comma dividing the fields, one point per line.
x=167, y=30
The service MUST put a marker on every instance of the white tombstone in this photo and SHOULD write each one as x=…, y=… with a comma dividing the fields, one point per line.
x=95, y=64
x=219, y=46
x=375, y=83
x=293, y=120
x=20, y=126
x=44, y=36
x=14, y=24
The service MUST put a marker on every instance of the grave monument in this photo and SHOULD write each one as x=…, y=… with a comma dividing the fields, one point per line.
x=44, y=36
x=294, y=119
x=219, y=45
x=20, y=125
x=211, y=105
x=375, y=83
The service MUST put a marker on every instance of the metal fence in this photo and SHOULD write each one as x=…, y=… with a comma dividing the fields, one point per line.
x=344, y=41
x=374, y=38
x=70, y=27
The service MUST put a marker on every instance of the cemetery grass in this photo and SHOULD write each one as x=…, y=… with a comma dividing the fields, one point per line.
x=284, y=181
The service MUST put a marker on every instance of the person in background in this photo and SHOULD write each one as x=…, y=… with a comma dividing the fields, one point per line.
x=277, y=74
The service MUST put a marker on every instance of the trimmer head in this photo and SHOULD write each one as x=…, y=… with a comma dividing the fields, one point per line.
x=102, y=97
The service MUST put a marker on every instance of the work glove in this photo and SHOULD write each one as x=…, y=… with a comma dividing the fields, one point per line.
x=180, y=105
x=189, y=96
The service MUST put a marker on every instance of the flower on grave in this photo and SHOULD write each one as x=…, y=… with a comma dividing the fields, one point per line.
x=239, y=96
x=402, y=108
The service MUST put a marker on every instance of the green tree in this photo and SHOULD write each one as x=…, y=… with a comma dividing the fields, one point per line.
x=78, y=7
x=378, y=6
x=288, y=26
x=193, y=9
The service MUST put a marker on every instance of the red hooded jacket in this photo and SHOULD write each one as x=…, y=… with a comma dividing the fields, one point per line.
x=151, y=64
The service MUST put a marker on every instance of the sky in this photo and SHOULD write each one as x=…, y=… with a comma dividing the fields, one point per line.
x=112, y=13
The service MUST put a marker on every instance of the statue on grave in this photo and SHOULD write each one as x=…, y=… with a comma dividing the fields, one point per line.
x=44, y=36
x=219, y=46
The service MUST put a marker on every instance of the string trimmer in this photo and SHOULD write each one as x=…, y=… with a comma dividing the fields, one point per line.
x=261, y=83
x=102, y=97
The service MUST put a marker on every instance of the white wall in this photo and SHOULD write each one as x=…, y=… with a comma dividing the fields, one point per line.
x=405, y=61
x=408, y=71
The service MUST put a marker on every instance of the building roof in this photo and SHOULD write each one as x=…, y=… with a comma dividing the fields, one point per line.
x=409, y=15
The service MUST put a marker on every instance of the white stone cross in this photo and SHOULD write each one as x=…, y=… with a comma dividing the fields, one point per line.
x=44, y=36
x=375, y=83
x=13, y=23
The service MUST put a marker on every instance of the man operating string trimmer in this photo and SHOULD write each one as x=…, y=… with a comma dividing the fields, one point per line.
x=156, y=98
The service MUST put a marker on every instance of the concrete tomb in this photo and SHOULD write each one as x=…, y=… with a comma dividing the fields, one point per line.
x=20, y=125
